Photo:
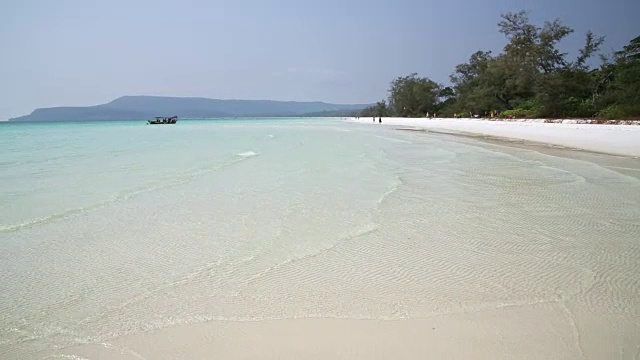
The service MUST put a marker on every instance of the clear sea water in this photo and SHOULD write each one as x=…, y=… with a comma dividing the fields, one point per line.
x=116, y=228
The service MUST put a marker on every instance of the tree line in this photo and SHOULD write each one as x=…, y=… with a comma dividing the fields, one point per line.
x=530, y=78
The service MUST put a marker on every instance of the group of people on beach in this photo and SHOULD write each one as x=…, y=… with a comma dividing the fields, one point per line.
x=374, y=119
x=491, y=115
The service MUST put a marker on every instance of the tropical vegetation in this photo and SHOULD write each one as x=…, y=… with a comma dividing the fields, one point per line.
x=530, y=78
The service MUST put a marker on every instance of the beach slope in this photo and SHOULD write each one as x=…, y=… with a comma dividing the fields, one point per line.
x=610, y=139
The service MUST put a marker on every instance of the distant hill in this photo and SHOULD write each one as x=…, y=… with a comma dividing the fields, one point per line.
x=144, y=107
x=335, y=113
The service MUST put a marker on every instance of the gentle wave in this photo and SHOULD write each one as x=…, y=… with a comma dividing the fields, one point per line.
x=393, y=187
x=247, y=154
x=123, y=197
x=64, y=356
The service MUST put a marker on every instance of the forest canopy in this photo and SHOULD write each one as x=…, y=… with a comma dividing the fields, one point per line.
x=530, y=78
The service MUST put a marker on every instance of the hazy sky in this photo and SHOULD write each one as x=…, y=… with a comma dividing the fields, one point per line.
x=81, y=52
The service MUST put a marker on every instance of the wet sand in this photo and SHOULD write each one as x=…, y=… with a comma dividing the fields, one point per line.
x=627, y=165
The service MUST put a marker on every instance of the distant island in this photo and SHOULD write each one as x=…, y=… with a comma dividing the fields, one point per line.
x=144, y=107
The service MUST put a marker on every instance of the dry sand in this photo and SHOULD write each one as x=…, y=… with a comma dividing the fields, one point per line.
x=610, y=139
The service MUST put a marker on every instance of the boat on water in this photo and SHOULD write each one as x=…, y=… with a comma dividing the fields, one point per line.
x=163, y=120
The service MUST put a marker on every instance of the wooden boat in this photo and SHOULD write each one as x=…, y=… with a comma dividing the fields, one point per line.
x=163, y=120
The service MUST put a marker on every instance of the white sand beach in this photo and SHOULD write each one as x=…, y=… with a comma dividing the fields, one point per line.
x=610, y=139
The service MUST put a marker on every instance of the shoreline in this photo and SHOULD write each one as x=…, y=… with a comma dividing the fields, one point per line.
x=623, y=164
x=344, y=338
x=621, y=140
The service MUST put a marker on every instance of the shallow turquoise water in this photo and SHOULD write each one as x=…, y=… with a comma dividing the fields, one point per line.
x=52, y=170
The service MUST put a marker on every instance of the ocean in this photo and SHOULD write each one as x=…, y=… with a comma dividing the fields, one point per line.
x=109, y=229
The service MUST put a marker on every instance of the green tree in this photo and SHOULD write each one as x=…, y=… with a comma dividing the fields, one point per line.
x=471, y=95
x=531, y=77
x=569, y=90
x=630, y=52
x=414, y=96
x=621, y=98
x=530, y=52
x=379, y=109
x=532, y=74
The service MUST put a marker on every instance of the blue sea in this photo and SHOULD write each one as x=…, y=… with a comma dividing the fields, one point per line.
x=110, y=229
